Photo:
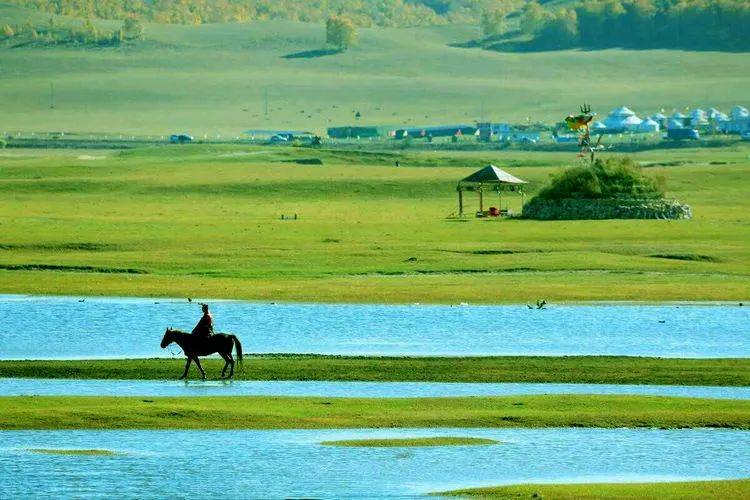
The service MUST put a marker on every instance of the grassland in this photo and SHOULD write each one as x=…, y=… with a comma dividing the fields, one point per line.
x=204, y=221
x=411, y=442
x=212, y=80
x=539, y=369
x=656, y=491
x=269, y=412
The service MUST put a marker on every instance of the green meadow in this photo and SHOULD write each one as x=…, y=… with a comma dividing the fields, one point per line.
x=527, y=369
x=212, y=80
x=274, y=412
x=205, y=221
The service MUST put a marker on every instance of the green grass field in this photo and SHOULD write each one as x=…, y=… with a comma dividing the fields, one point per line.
x=532, y=369
x=211, y=80
x=204, y=221
x=656, y=491
x=272, y=412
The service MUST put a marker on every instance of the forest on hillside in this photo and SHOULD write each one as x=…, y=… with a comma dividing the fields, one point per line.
x=639, y=24
x=386, y=13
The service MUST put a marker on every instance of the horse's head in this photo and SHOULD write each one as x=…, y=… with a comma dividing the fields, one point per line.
x=168, y=338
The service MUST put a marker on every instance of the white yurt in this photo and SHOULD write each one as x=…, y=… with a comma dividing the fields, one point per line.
x=739, y=112
x=649, y=125
x=599, y=127
x=622, y=118
x=715, y=114
x=698, y=117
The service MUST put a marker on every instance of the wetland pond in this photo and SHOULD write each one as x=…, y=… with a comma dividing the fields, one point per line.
x=293, y=463
x=155, y=388
x=75, y=328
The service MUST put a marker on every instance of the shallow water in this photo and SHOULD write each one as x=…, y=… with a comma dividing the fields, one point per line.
x=64, y=387
x=63, y=327
x=277, y=464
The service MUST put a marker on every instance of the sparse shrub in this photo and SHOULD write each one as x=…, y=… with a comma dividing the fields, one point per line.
x=8, y=31
x=133, y=29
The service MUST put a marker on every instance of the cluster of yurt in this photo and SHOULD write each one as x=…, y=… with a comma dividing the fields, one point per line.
x=623, y=119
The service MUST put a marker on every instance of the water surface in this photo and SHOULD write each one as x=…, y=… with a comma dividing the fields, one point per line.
x=63, y=327
x=67, y=387
x=292, y=463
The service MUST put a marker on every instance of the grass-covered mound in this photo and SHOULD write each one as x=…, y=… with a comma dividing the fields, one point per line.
x=411, y=442
x=611, y=189
x=688, y=489
x=58, y=451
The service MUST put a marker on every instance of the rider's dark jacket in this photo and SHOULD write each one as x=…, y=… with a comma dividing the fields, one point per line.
x=205, y=327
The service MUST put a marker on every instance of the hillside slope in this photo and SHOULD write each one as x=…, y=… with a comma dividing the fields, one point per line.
x=213, y=79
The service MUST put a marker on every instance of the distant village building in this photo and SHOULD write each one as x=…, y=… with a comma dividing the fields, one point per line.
x=622, y=119
x=488, y=130
x=738, y=122
x=437, y=131
x=353, y=132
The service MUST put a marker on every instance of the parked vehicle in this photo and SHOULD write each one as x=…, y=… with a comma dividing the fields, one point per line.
x=679, y=134
x=180, y=138
x=279, y=139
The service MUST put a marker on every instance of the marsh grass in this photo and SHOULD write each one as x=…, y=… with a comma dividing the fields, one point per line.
x=273, y=412
x=412, y=442
x=59, y=451
x=536, y=369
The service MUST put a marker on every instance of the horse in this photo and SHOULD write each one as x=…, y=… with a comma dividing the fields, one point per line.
x=194, y=346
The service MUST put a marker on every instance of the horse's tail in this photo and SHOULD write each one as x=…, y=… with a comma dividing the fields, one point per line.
x=237, y=346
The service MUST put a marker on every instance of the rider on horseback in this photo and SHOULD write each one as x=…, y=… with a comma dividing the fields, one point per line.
x=205, y=326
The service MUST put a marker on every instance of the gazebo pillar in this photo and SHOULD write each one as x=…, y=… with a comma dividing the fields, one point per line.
x=481, y=200
x=460, y=201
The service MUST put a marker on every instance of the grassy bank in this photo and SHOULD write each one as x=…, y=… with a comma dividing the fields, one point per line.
x=567, y=369
x=29, y=412
x=205, y=221
x=652, y=491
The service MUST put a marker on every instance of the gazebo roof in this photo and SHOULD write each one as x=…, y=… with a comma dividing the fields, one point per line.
x=492, y=174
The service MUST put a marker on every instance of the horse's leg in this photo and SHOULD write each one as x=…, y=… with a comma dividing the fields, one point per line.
x=198, y=364
x=231, y=365
x=187, y=366
x=226, y=363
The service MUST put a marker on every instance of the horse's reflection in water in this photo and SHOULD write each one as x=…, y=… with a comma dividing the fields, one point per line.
x=194, y=346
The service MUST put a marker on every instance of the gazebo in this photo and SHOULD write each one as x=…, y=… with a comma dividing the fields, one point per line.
x=488, y=179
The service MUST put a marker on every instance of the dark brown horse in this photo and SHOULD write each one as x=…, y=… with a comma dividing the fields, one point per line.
x=195, y=345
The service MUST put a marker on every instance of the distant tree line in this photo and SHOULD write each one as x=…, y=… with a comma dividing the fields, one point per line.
x=81, y=33
x=393, y=13
x=641, y=24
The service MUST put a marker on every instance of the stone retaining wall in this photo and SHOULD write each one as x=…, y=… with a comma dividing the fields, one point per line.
x=570, y=209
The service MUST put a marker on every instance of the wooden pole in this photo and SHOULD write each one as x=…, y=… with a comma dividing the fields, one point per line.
x=481, y=200
x=460, y=202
